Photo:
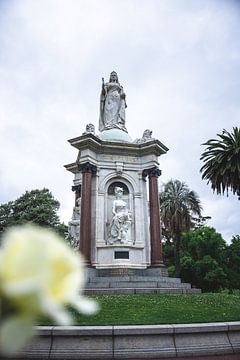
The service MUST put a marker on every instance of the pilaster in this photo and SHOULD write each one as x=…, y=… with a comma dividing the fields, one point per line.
x=87, y=170
x=155, y=227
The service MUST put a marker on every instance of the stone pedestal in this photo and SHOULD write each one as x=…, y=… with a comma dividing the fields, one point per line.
x=118, y=231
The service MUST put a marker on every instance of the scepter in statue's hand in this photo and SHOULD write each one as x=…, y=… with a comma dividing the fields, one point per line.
x=103, y=86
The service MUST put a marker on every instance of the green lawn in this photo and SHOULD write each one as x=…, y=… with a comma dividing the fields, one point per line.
x=162, y=309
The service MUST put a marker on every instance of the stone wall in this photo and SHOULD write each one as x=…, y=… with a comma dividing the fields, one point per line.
x=136, y=342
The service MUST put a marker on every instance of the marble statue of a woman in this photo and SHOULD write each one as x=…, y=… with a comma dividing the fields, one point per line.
x=74, y=225
x=121, y=219
x=112, y=105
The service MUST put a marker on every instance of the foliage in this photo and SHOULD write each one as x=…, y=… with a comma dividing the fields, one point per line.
x=35, y=206
x=206, y=260
x=178, y=205
x=205, y=250
x=205, y=273
x=164, y=309
x=168, y=253
x=204, y=241
x=232, y=261
x=200, y=221
x=210, y=274
x=222, y=162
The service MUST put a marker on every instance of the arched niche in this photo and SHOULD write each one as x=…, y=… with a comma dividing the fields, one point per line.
x=114, y=184
x=119, y=212
x=126, y=179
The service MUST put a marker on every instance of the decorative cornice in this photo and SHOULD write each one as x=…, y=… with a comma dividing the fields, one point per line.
x=72, y=167
x=92, y=142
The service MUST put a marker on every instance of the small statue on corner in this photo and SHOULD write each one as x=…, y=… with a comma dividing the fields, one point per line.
x=147, y=136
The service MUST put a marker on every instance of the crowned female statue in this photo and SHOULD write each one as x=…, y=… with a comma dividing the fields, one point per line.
x=112, y=105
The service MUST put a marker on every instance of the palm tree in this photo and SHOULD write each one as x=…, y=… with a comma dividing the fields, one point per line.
x=222, y=162
x=178, y=204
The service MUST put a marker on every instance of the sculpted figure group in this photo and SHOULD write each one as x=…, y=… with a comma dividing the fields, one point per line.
x=121, y=219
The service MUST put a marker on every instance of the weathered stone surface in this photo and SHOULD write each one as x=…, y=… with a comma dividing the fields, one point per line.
x=200, y=328
x=160, y=271
x=40, y=346
x=137, y=342
x=87, y=347
x=169, y=291
x=143, y=282
x=234, y=325
x=82, y=342
x=133, y=284
x=132, y=342
x=81, y=330
x=202, y=343
x=143, y=329
x=234, y=335
x=107, y=291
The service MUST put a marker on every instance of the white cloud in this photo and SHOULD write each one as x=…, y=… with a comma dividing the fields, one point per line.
x=178, y=62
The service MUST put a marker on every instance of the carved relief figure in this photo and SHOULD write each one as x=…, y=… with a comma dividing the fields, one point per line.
x=112, y=105
x=74, y=225
x=121, y=219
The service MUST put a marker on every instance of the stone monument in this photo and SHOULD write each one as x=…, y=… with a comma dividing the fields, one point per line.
x=116, y=217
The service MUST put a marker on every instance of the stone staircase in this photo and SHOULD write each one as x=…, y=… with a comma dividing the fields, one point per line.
x=144, y=282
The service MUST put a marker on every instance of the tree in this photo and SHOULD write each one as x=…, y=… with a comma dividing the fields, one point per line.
x=211, y=276
x=222, y=162
x=203, y=259
x=204, y=241
x=206, y=260
x=36, y=206
x=178, y=205
x=232, y=260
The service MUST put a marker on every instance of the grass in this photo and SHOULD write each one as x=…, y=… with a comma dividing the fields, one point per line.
x=161, y=309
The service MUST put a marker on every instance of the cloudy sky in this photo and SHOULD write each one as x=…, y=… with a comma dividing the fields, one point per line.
x=179, y=64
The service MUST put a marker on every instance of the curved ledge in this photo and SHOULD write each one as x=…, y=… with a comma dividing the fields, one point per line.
x=136, y=342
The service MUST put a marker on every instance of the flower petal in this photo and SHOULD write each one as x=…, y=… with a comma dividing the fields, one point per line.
x=85, y=305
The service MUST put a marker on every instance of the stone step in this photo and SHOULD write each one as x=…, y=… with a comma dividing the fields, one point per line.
x=134, y=278
x=135, y=291
x=135, y=284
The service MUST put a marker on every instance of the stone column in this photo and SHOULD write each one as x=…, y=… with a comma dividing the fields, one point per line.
x=86, y=210
x=155, y=228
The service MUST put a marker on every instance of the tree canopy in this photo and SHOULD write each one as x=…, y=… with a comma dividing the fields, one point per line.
x=178, y=206
x=206, y=260
x=36, y=206
x=222, y=162
x=202, y=258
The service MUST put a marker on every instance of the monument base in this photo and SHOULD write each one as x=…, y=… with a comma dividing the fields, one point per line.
x=125, y=271
x=128, y=281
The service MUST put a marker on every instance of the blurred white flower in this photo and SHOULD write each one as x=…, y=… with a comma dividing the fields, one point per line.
x=39, y=272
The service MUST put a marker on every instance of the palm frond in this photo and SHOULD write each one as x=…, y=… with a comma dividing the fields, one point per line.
x=222, y=162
